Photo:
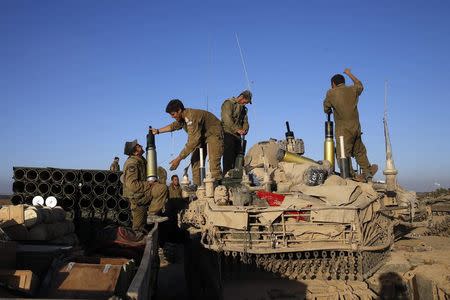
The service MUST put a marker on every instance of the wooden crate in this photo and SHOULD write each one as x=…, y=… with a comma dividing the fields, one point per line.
x=11, y=215
x=86, y=281
x=20, y=280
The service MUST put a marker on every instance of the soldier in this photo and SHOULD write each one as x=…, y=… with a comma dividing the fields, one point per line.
x=235, y=125
x=342, y=100
x=174, y=205
x=115, y=167
x=147, y=199
x=203, y=128
x=175, y=188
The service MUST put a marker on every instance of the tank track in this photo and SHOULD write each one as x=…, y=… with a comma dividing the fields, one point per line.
x=327, y=265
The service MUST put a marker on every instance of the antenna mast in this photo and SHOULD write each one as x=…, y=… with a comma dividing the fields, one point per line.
x=243, y=62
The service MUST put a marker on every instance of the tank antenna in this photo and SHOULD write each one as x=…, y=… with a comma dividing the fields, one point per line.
x=243, y=62
x=390, y=172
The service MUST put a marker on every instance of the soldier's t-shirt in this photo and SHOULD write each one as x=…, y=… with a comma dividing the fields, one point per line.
x=174, y=192
x=344, y=101
x=199, y=125
x=234, y=116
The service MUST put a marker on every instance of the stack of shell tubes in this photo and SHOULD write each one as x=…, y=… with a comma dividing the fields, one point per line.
x=83, y=194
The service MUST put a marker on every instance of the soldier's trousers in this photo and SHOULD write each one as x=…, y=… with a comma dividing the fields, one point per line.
x=354, y=147
x=214, y=144
x=151, y=203
x=231, y=149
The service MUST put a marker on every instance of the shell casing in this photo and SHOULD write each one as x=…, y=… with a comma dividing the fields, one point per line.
x=152, y=171
x=295, y=158
x=329, y=151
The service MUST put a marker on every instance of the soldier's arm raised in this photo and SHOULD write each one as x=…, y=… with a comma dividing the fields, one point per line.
x=356, y=81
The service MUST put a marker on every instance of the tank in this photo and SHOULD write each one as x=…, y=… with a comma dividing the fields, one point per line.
x=295, y=217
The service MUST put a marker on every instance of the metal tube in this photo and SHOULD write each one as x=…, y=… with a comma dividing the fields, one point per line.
x=99, y=190
x=67, y=203
x=57, y=176
x=123, y=217
x=99, y=177
x=202, y=167
x=69, y=189
x=123, y=203
x=86, y=189
x=111, y=203
x=30, y=187
x=56, y=189
x=44, y=175
x=31, y=174
x=18, y=187
x=113, y=178
x=44, y=188
x=329, y=143
x=86, y=176
x=111, y=190
x=85, y=202
x=19, y=173
x=344, y=161
x=342, y=147
x=98, y=204
x=70, y=176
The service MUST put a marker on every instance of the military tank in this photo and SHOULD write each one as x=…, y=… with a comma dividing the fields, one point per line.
x=298, y=218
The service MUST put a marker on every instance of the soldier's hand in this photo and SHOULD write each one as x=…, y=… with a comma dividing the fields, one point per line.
x=241, y=132
x=175, y=163
x=347, y=71
x=155, y=131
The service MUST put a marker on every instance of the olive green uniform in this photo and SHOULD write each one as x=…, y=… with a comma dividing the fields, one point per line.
x=234, y=117
x=344, y=102
x=114, y=167
x=175, y=192
x=145, y=197
x=203, y=128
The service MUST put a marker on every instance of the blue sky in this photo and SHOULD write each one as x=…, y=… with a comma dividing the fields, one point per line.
x=78, y=78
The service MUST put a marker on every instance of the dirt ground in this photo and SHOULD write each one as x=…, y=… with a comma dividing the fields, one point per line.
x=418, y=268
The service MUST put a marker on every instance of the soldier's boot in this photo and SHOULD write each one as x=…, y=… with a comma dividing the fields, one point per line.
x=152, y=218
x=367, y=177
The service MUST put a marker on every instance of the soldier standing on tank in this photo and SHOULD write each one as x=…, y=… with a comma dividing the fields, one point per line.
x=203, y=129
x=146, y=198
x=115, y=167
x=343, y=100
x=235, y=125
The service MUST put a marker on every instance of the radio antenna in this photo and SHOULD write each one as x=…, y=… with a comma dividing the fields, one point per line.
x=243, y=62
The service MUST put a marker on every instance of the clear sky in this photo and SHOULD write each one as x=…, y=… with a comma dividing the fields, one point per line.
x=78, y=78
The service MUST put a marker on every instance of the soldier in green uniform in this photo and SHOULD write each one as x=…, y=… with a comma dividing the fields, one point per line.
x=115, y=167
x=175, y=188
x=343, y=100
x=235, y=125
x=147, y=199
x=204, y=130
